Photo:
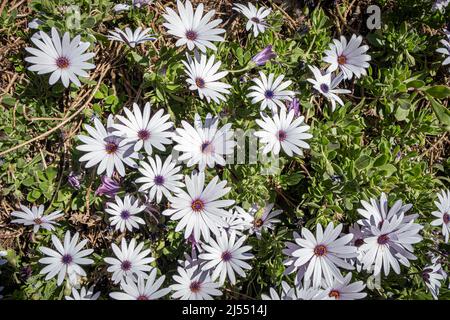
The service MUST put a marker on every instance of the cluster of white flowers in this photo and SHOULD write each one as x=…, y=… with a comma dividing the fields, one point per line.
x=218, y=229
x=382, y=239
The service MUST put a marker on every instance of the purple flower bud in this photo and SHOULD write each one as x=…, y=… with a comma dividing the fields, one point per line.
x=26, y=272
x=294, y=105
x=73, y=181
x=195, y=245
x=265, y=55
x=109, y=187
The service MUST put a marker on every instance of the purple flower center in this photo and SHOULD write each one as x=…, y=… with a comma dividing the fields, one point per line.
x=66, y=259
x=144, y=134
x=268, y=94
x=325, y=88
x=195, y=286
x=197, y=205
x=111, y=147
x=126, y=265
x=359, y=242
x=226, y=256
x=320, y=250
x=342, y=59
x=281, y=135
x=383, y=239
x=446, y=218
x=125, y=214
x=207, y=147
x=37, y=221
x=191, y=35
x=158, y=180
x=255, y=20
x=62, y=63
x=200, y=83
x=142, y=297
x=426, y=274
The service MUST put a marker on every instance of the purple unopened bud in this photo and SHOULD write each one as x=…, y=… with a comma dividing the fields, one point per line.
x=265, y=55
x=192, y=241
x=73, y=181
x=294, y=105
x=109, y=187
x=26, y=272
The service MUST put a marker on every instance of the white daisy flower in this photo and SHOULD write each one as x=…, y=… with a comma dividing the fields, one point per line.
x=200, y=209
x=83, y=294
x=323, y=254
x=63, y=58
x=310, y=293
x=271, y=93
x=66, y=260
x=297, y=293
x=194, y=285
x=35, y=23
x=349, y=57
x=287, y=293
x=376, y=212
x=203, y=76
x=121, y=7
x=226, y=256
x=124, y=213
x=235, y=222
x=359, y=234
x=289, y=262
x=440, y=5
x=146, y=288
x=131, y=38
x=141, y=130
x=327, y=85
x=256, y=17
x=258, y=220
x=282, y=131
x=36, y=218
x=130, y=261
x=204, y=144
x=432, y=278
x=160, y=178
x=443, y=213
x=344, y=290
x=390, y=243
x=106, y=150
x=193, y=29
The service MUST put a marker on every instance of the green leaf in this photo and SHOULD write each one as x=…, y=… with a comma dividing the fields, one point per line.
x=388, y=169
x=8, y=100
x=380, y=160
x=439, y=91
x=402, y=111
x=415, y=84
x=363, y=162
x=442, y=113
x=292, y=179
